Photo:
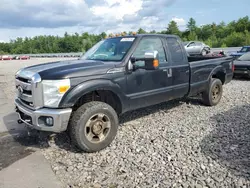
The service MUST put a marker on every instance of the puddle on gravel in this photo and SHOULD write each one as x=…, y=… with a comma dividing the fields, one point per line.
x=15, y=147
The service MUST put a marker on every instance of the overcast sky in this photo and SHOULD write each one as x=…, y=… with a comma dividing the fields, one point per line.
x=20, y=18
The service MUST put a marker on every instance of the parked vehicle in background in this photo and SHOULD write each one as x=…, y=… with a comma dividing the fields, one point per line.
x=243, y=50
x=15, y=57
x=6, y=57
x=196, y=48
x=242, y=65
x=116, y=75
x=23, y=57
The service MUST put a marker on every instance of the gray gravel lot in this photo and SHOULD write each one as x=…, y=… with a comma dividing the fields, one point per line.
x=175, y=144
x=9, y=68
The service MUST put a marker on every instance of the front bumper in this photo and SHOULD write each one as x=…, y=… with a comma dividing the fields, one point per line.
x=33, y=117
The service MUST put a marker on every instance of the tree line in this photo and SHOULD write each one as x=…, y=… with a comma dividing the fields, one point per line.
x=233, y=34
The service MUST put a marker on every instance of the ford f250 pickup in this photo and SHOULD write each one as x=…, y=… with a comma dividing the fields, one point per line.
x=117, y=75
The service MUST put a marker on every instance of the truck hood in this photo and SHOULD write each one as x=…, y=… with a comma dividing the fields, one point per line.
x=66, y=69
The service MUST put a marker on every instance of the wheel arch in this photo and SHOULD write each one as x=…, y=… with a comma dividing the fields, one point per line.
x=95, y=90
x=219, y=73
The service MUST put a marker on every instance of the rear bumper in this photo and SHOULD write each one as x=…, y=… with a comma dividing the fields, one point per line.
x=34, y=119
x=241, y=72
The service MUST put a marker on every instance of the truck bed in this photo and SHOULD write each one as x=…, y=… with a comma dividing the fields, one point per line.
x=201, y=69
x=200, y=58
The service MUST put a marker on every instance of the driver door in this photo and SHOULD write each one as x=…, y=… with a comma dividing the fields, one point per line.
x=148, y=87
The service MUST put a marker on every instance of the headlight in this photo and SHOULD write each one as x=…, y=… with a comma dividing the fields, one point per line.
x=53, y=91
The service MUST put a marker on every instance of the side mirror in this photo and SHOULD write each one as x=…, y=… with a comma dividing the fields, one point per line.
x=151, y=61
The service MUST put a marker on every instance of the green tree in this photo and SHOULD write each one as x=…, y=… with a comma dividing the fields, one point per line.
x=191, y=25
x=141, y=31
x=173, y=28
x=233, y=34
x=247, y=37
x=192, y=36
x=235, y=39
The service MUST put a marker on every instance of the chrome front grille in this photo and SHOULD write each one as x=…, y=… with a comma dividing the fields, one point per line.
x=29, y=89
x=24, y=91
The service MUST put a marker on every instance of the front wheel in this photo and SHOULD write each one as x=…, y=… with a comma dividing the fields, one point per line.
x=213, y=95
x=93, y=126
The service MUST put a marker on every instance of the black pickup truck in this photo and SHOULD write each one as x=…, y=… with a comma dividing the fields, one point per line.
x=117, y=75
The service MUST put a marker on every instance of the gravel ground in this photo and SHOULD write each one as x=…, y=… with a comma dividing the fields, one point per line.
x=176, y=144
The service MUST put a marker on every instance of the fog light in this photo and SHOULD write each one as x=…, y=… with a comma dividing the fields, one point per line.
x=49, y=121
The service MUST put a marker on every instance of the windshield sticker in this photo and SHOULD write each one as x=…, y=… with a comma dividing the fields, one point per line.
x=127, y=39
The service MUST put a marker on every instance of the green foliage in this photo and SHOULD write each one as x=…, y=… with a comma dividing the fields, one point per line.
x=235, y=39
x=234, y=34
x=224, y=45
x=141, y=31
x=192, y=36
x=152, y=32
x=173, y=28
x=247, y=37
x=191, y=25
x=2, y=52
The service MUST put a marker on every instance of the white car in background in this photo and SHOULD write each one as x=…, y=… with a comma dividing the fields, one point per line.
x=196, y=48
x=5, y=57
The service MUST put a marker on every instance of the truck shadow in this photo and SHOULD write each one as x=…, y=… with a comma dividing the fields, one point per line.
x=229, y=142
x=165, y=106
x=16, y=143
x=139, y=113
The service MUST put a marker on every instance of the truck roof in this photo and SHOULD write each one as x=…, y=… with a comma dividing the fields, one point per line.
x=141, y=35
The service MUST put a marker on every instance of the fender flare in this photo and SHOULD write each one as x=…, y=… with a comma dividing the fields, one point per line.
x=83, y=88
x=215, y=71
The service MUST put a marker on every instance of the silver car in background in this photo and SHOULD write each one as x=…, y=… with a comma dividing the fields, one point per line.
x=196, y=48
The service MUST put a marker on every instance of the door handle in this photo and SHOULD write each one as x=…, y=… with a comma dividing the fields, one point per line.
x=169, y=71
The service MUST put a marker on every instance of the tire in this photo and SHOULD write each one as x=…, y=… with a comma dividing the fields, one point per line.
x=88, y=121
x=209, y=97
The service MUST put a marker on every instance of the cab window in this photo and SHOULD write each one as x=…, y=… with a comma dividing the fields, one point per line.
x=150, y=44
x=175, y=50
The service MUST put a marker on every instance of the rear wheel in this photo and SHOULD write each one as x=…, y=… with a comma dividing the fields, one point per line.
x=213, y=95
x=93, y=126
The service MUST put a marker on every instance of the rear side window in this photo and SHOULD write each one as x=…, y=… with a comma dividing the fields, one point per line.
x=191, y=44
x=175, y=50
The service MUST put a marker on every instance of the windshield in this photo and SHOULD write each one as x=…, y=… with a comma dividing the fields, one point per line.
x=245, y=57
x=112, y=49
x=245, y=49
x=185, y=43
